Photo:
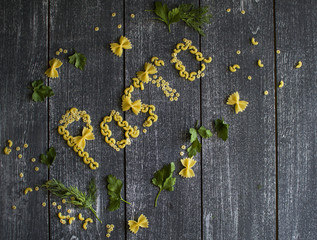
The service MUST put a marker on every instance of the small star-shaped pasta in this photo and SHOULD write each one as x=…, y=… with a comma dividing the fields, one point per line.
x=234, y=99
x=187, y=172
x=52, y=72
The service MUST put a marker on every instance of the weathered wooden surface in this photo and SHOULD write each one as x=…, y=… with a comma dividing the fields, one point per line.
x=270, y=145
x=296, y=123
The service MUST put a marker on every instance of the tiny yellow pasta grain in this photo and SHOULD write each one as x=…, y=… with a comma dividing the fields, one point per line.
x=132, y=15
x=112, y=226
x=183, y=147
x=64, y=201
x=25, y=145
x=57, y=53
x=158, y=85
x=177, y=94
x=44, y=204
x=113, y=14
x=171, y=99
x=109, y=230
x=144, y=131
x=108, y=235
x=249, y=77
x=228, y=9
x=89, y=220
x=299, y=64
x=96, y=29
x=254, y=42
x=61, y=216
x=70, y=220
x=69, y=211
x=266, y=92
x=20, y=156
x=281, y=84
x=65, y=51
x=119, y=26
x=59, y=207
x=154, y=76
x=60, y=50
x=36, y=188
x=260, y=64
x=17, y=148
x=36, y=169
x=108, y=226
x=238, y=52
x=10, y=143
x=62, y=221
x=27, y=190
x=242, y=12
x=80, y=217
x=181, y=153
x=175, y=98
x=21, y=175
x=33, y=159
x=54, y=204
x=202, y=74
x=278, y=51
x=14, y=207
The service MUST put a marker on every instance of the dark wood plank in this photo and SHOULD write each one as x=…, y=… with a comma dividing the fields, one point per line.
x=96, y=89
x=177, y=215
x=23, y=46
x=233, y=206
x=296, y=39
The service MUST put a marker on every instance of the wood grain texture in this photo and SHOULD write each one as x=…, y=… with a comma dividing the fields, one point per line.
x=233, y=206
x=177, y=215
x=296, y=39
x=97, y=89
x=23, y=47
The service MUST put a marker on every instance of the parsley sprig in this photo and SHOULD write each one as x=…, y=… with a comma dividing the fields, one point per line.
x=114, y=191
x=195, y=144
x=194, y=17
x=49, y=157
x=40, y=91
x=222, y=129
x=74, y=196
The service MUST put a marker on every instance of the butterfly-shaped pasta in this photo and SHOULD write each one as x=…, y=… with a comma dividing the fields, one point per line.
x=187, y=172
x=117, y=48
x=80, y=141
x=52, y=72
x=128, y=104
x=142, y=222
x=234, y=99
x=144, y=75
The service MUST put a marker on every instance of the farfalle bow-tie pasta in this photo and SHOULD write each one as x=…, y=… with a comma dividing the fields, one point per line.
x=117, y=48
x=234, y=99
x=144, y=75
x=80, y=141
x=142, y=222
x=187, y=172
x=52, y=72
x=128, y=104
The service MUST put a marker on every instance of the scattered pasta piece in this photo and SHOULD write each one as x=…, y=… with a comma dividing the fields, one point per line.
x=80, y=141
x=242, y=12
x=62, y=221
x=234, y=68
x=113, y=14
x=33, y=159
x=281, y=84
x=17, y=148
x=80, y=217
x=25, y=145
x=14, y=207
x=20, y=156
x=21, y=175
x=142, y=222
x=187, y=172
x=238, y=52
x=255, y=43
x=36, y=188
x=60, y=49
x=7, y=151
x=44, y=204
x=144, y=131
x=10, y=143
x=181, y=153
x=52, y=72
x=266, y=92
x=128, y=104
x=144, y=75
x=228, y=10
x=183, y=147
x=119, y=26
x=299, y=64
x=57, y=53
x=108, y=235
x=65, y=51
x=234, y=99
x=117, y=48
x=96, y=29
x=278, y=51
x=70, y=220
x=59, y=207
x=108, y=226
x=260, y=64
x=61, y=216
x=63, y=201
x=54, y=204
x=69, y=211
x=111, y=226
x=36, y=169
x=132, y=15
x=249, y=77
x=89, y=220
x=27, y=190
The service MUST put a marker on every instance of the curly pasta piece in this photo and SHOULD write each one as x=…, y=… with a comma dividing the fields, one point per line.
x=187, y=172
x=52, y=72
x=142, y=222
x=27, y=190
x=117, y=48
x=234, y=99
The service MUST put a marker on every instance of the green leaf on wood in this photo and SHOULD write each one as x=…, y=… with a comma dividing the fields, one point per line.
x=40, y=91
x=49, y=157
x=78, y=60
x=114, y=191
x=222, y=129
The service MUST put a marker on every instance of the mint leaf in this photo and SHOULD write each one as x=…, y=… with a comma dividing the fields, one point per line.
x=164, y=179
x=78, y=60
x=40, y=91
x=49, y=157
x=222, y=129
x=205, y=133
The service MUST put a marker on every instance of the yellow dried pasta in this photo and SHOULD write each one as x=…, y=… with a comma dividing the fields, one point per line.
x=148, y=69
x=52, y=72
x=117, y=48
x=234, y=99
x=187, y=172
x=128, y=104
x=142, y=222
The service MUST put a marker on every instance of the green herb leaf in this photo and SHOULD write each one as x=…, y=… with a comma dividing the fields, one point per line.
x=92, y=190
x=222, y=129
x=164, y=179
x=49, y=157
x=161, y=11
x=193, y=134
x=72, y=195
x=78, y=59
x=173, y=17
x=205, y=133
x=114, y=191
x=194, y=148
x=40, y=91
